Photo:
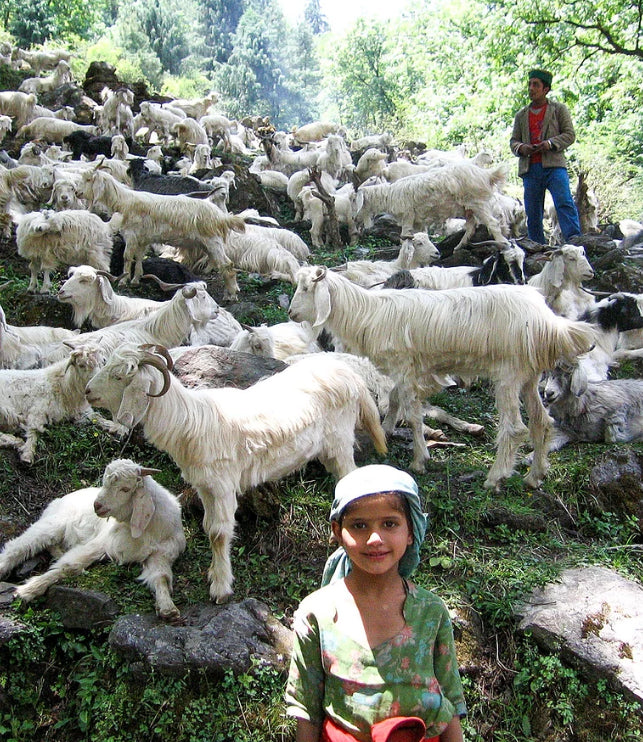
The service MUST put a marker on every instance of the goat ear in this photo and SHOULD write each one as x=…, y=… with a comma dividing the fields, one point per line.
x=142, y=512
x=557, y=270
x=134, y=402
x=106, y=290
x=322, y=303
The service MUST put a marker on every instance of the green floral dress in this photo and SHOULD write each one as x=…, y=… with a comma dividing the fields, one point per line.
x=415, y=673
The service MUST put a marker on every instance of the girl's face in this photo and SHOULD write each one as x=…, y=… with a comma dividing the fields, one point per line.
x=375, y=533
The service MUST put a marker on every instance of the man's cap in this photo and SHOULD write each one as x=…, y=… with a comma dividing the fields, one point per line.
x=543, y=75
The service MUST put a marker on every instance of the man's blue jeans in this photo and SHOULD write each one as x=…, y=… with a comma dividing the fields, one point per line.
x=536, y=181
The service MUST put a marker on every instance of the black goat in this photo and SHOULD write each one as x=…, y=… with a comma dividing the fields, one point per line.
x=167, y=270
x=166, y=185
x=82, y=143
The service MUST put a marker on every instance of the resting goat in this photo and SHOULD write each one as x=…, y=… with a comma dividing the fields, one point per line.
x=29, y=400
x=227, y=440
x=131, y=518
x=415, y=251
x=504, y=333
x=609, y=411
x=278, y=341
x=32, y=346
x=609, y=317
x=506, y=266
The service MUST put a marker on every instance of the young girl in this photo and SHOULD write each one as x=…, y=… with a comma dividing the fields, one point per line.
x=374, y=656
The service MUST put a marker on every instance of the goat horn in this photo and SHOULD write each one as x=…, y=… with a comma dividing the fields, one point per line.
x=159, y=350
x=146, y=471
x=321, y=273
x=596, y=293
x=189, y=292
x=107, y=275
x=150, y=359
x=162, y=284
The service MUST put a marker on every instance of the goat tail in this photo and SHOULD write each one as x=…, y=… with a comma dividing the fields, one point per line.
x=369, y=418
x=577, y=338
x=497, y=176
x=230, y=222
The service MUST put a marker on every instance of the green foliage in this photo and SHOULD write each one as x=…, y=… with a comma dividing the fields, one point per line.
x=365, y=84
x=34, y=22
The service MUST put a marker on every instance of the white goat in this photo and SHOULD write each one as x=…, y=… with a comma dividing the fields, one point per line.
x=315, y=210
x=505, y=333
x=227, y=440
x=51, y=130
x=196, y=107
x=5, y=126
x=145, y=218
x=301, y=178
x=190, y=309
x=608, y=411
x=31, y=399
x=415, y=251
x=379, y=141
x=17, y=105
x=64, y=195
x=131, y=518
x=42, y=59
x=336, y=159
x=120, y=150
x=218, y=127
x=371, y=163
x=189, y=132
x=432, y=197
x=116, y=116
x=257, y=253
x=314, y=132
x=278, y=341
x=48, y=239
x=561, y=278
x=273, y=180
x=92, y=297
x=31, y=346
x=158, y=120
x=38, y=85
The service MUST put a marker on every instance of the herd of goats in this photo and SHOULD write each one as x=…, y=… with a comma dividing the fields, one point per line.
x=96, y=197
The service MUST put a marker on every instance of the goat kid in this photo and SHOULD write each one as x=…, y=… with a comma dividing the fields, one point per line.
x=131, y=518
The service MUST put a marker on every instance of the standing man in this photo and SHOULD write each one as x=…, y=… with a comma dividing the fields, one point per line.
x=542, y=130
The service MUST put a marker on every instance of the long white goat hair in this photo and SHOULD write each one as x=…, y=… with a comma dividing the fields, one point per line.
x=504, y=333
x=278, y=341
x=227, y=440
x=131, y=518
x=457, y=189
x=32, y=346
x=561, y=280
x=415, y=251
x=31, y=399
x=144, y=218
x=191, y=307
x=48, y=239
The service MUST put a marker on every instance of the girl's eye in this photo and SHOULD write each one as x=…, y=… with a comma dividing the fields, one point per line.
x=390, y=523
